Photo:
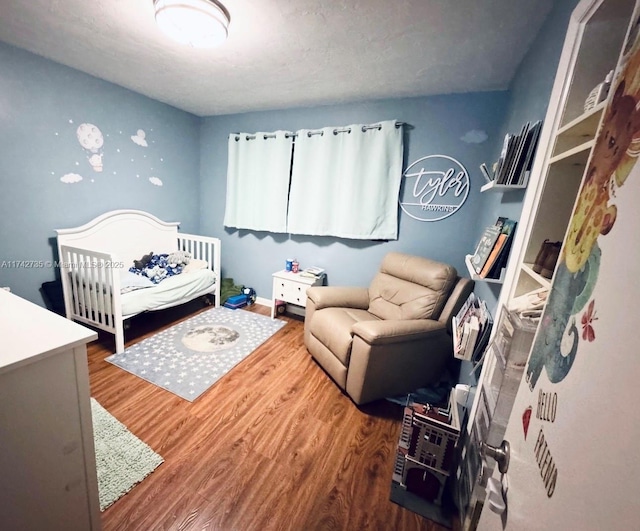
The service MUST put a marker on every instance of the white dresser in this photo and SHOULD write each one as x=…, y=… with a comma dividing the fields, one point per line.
x=48, y=464
x=291, y=288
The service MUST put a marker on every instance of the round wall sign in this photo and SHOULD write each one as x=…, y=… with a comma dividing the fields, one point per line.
x=433, y=188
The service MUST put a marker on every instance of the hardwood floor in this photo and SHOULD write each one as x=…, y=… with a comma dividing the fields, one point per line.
x=273, y=445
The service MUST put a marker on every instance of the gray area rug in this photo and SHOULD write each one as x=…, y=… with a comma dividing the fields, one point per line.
x=191, y=356
x=122, y=460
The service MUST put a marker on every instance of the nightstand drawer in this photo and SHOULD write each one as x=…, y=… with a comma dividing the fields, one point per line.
x=292, y=292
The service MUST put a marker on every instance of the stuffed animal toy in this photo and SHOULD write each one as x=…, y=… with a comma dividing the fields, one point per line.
x=155, y=273
x=179, y=258
x=142, y=263
x=250, y=293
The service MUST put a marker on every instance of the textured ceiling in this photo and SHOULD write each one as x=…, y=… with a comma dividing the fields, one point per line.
x=287, y=53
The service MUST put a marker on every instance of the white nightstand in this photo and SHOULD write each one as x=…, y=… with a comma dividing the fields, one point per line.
x=291, y=288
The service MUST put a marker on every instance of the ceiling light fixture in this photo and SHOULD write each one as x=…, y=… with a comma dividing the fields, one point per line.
x=198, y=23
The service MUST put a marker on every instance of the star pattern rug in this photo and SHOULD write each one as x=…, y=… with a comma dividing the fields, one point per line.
x=191, y=356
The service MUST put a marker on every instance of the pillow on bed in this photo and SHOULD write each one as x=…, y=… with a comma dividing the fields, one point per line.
x=131, y=281
x=194, y=265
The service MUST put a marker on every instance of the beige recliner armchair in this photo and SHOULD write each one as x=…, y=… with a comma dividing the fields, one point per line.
x=391, y=338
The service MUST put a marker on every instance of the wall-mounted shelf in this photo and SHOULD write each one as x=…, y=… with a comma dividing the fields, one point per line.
x=495, y=187
x=475, y=276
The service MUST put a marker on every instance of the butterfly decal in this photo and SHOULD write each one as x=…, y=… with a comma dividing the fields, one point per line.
x=588, y=333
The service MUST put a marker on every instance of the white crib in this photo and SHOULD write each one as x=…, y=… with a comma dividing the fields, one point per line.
x=92, y=257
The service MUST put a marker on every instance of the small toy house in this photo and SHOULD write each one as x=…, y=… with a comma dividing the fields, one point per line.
x=427, y=449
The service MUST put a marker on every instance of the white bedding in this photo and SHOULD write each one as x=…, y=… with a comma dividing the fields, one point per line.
x=168, y=291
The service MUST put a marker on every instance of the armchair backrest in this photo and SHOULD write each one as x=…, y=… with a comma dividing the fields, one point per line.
x=410, y=287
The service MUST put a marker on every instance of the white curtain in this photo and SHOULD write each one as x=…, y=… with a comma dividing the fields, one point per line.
x=258, y=172
x=345, y=182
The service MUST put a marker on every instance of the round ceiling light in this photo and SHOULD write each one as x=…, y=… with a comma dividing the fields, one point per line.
x=197, y=23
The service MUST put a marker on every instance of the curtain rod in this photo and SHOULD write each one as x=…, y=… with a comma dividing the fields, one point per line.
x=319, y=131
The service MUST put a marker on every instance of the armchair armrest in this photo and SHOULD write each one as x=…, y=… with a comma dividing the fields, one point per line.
x=392, y=332
x=391, y=358
x=336, y=296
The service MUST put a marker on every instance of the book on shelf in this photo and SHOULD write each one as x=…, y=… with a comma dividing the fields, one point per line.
x=536, y=128
x=525, y=155
x=471, y=328
x=465, y=311
x=458, y=321
x=511, y=158
x=458, y=335
x=519, y=156
x=473, y=331
x=505, y=158
x=508, y=229
x=484, y=247
x=486, y=324
x=516, y=156
x=493, y=256
x=312, y=272
x=498, y=164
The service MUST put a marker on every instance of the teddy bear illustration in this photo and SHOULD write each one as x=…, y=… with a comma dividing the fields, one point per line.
x=594, y=215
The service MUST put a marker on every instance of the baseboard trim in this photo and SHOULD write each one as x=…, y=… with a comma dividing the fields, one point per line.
x=264, y=302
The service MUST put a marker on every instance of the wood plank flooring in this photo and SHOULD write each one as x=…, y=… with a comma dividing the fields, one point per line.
x=273, y=445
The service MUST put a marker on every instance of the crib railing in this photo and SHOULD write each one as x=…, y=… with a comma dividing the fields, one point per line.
x=91, y=287
x=204, y=248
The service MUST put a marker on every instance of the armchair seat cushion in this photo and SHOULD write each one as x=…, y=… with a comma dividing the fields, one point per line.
x=333, y=328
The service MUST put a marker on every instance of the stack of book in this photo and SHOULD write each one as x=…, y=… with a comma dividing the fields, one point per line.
x=492, y=251
x=312, y=272
x=514, y=165
x=471, y=329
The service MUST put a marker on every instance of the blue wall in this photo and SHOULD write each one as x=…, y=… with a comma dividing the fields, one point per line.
x=437, y=125
x=41, y=106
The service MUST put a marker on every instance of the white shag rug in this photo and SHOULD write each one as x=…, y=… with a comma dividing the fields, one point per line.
x=122, y=460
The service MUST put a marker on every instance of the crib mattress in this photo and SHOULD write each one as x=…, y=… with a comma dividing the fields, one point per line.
x=172, y=289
